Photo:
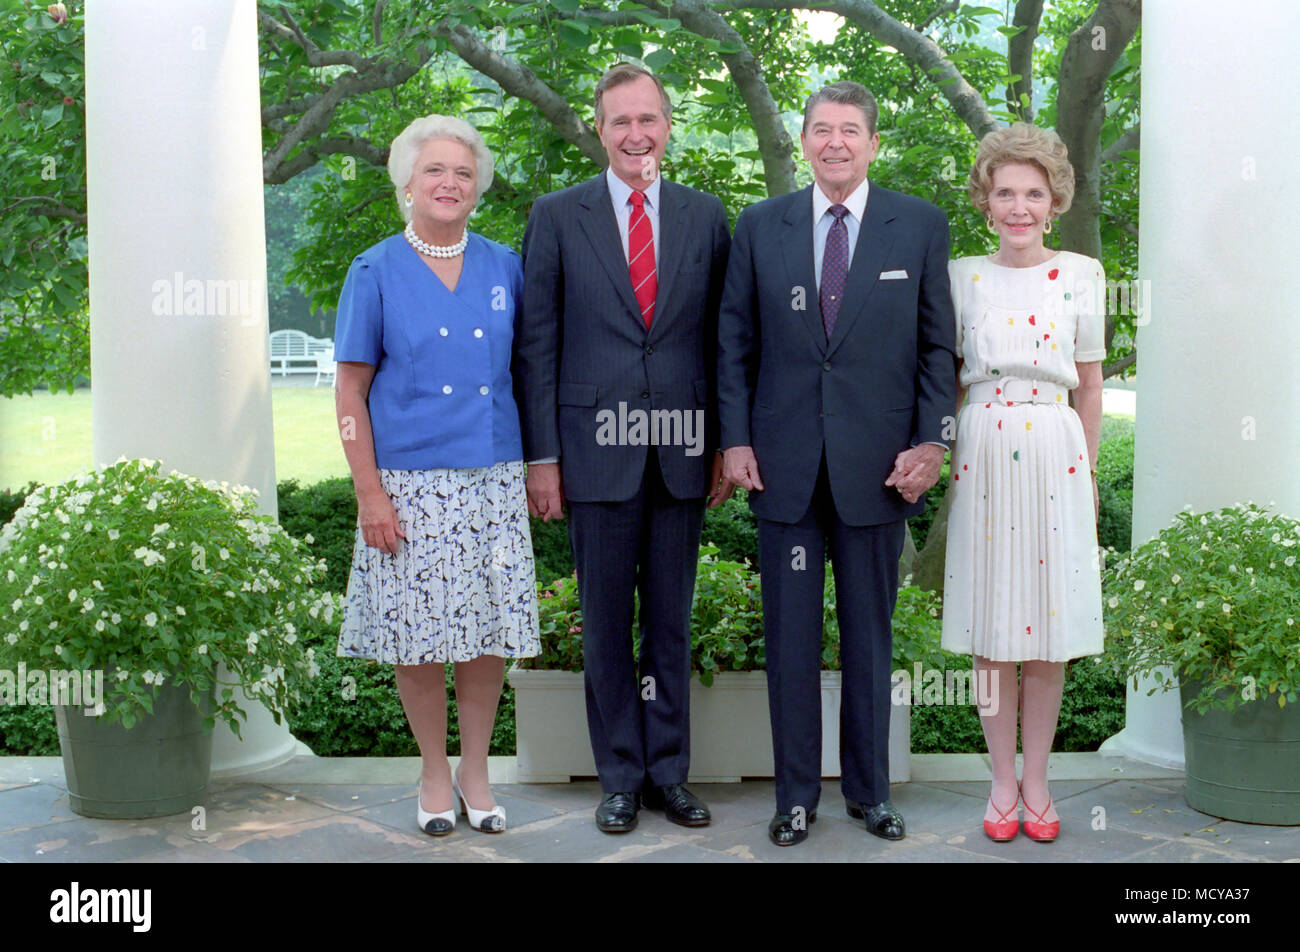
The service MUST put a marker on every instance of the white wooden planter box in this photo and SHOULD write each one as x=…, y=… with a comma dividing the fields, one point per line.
x=731, y=730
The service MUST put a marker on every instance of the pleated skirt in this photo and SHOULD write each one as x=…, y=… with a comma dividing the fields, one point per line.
x=1023, y=568
x=461, y=584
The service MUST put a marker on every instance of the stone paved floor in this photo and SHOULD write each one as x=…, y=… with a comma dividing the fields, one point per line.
x=362, y=810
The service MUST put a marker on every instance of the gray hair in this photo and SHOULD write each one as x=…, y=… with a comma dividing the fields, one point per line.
x=846, y=93
x=406, y=149
x=628, y=73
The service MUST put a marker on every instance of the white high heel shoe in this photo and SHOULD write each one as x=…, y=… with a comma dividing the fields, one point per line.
x=435, y=824
x=485, y=821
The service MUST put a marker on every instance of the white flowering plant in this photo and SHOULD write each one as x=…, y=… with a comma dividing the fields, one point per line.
x=159, y=577
x=1216, y=597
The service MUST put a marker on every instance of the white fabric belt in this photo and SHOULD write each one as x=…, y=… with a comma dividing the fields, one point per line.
x=1010, y=390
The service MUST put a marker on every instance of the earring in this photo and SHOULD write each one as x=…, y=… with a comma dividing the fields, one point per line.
x=409, y=201
x=989, y=222
x=1047, y=229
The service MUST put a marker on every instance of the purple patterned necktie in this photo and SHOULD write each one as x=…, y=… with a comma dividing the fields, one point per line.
x=835, y=269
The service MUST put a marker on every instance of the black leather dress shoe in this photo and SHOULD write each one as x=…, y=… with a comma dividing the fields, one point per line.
x=782, y=830
x=679, y=804
x=617, y=813
x=883, y=819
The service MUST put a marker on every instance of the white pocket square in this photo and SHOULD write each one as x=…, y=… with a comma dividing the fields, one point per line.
x=899, y=275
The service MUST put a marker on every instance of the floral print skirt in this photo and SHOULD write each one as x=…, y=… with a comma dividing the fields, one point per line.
x=461, y=584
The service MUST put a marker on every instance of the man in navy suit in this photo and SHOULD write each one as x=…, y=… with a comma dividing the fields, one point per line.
x=836, y=382
x=615, y=363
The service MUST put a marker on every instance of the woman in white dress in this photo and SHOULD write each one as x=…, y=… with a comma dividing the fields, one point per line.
x=1022, y=579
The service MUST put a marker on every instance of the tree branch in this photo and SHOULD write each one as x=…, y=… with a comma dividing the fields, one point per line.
x=965, y=100
x=518, y=80
x=1119, y=366
x=1020, y=58
x=952, y=6
x=1130, y=139
x=1090, y=55
x=774, y=142
x=377, y=22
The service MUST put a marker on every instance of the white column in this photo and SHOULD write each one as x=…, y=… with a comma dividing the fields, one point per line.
x=178, y=307
x=1219, y=394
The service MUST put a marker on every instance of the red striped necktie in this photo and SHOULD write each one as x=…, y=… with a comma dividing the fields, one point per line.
x=641, y=258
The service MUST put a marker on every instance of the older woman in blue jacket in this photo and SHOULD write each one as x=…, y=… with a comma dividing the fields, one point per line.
x=442, y=567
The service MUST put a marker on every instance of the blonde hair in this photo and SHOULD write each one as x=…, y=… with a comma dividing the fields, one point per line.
x=406, y=149
x=1022, y=142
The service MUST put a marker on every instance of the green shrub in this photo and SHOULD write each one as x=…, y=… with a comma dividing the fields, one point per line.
x=28, y=731
x=733, y=529
x=552, y=556
x=1115, y=492
x=326, y=510
x=11, y=502
x=353, y=710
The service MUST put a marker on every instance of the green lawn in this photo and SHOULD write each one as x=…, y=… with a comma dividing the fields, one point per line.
x=45, y=437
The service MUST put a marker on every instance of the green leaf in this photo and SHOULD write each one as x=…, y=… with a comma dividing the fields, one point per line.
x=659, y=59
x=565, y=6
x=51, y=116
x=1012, y=30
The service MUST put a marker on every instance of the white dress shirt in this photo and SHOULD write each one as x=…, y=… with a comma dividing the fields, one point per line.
x=620, y=194
x=856, y=203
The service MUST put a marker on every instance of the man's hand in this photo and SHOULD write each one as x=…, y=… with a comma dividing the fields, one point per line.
x=916, y=470
x=545, y=491
x=722, y=487
x=741, y=468
x=377, y=519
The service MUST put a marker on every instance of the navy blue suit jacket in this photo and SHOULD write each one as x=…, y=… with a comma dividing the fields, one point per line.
x=582, y=348
x=885, y=380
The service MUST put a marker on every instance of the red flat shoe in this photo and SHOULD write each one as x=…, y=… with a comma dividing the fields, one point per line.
x=1039, y=830
x=1002, y=830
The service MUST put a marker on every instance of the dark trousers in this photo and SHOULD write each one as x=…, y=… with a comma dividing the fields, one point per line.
x=648, y=545
x=792, y=563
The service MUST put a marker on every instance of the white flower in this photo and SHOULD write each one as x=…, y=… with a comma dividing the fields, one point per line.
x=1227, y=609
x=72, y=595
x=151, y=619
x=179, y=610
x=1114, y=602
x=58, y=650
x=87, y=605
x=113, y=534
x=53, y=625
x=88, y=526
x=18, y=603
x=22, y=625
x=203, y=649
x=309, y=539
x=123, y=675
x=152, y=504
x=1200, y=604
x=290, y=638
x=149, y=677
x=116, y=500
x=99, y=624
x=1139, y=585
x=11, y=576
x=38, y=600
x=116, y=618
x=1289, y=561
x=11, y=638
x=65, y=535
x=161, y=527
x=99, y=586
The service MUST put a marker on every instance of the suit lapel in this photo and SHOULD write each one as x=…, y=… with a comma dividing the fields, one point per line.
x=875, y=238
x=797, y=245
x=601, y=227
x=673, y=239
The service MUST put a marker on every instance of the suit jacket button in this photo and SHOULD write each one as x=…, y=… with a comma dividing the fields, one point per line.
x=645, y=394
x=826, y=366
x=649, y=350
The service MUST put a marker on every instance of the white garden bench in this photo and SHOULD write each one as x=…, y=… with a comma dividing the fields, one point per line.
x=296, y=352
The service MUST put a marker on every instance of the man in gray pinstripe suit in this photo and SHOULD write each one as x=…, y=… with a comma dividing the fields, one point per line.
x=614, y=370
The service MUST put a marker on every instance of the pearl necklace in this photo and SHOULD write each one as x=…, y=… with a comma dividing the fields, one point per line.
x=436, y=251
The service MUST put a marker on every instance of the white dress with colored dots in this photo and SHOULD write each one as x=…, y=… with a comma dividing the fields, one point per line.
x=1022, y=577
